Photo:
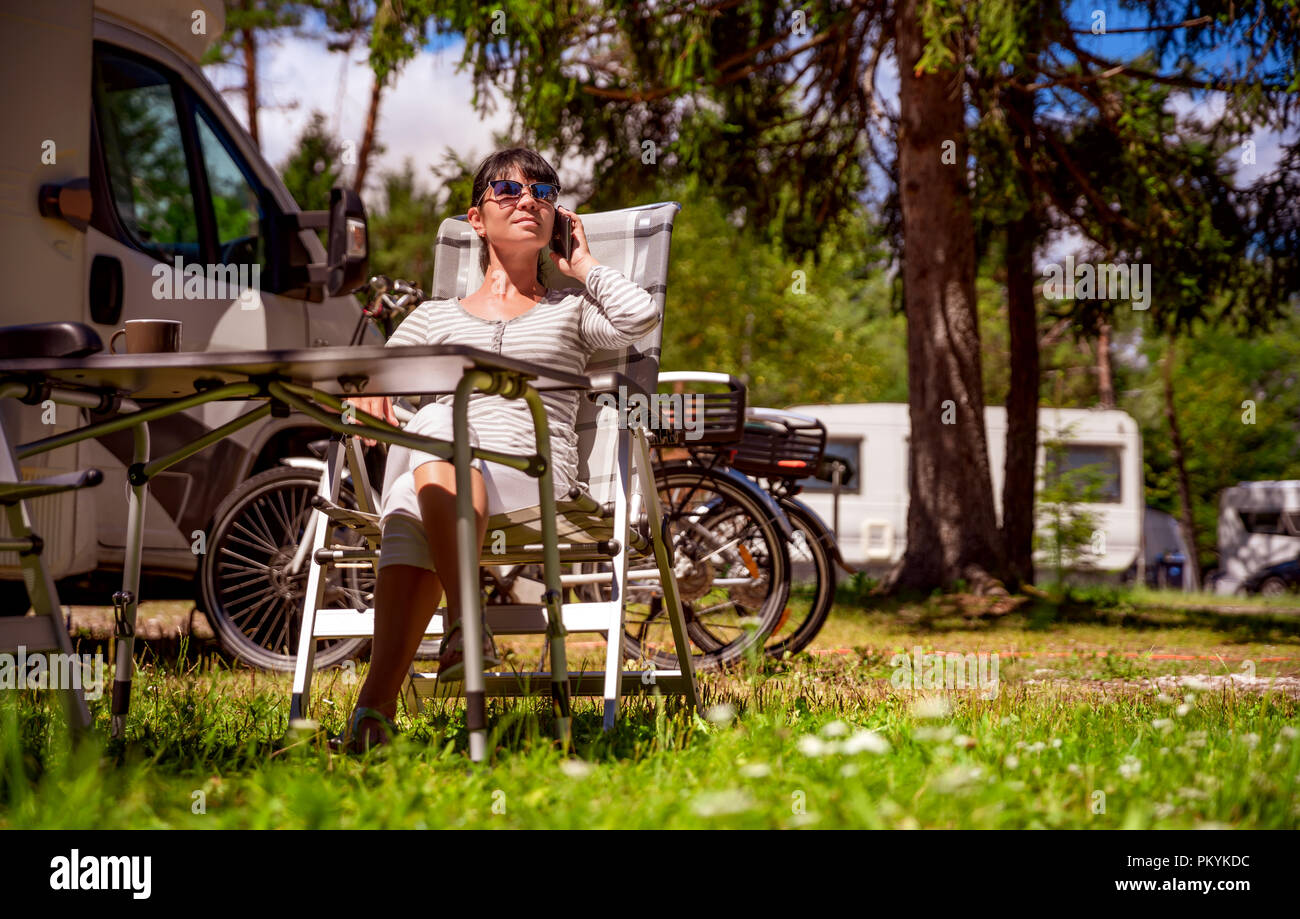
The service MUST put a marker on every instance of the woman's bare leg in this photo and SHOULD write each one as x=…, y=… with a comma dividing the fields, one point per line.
x=407, y=596
x=435, y=487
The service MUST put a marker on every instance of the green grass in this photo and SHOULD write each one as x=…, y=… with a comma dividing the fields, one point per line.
x=820, y=741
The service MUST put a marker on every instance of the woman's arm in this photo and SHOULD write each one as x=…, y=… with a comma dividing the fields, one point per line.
x=615, y=311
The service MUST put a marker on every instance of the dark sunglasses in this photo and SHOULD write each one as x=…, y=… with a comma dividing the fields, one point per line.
x=505, y=189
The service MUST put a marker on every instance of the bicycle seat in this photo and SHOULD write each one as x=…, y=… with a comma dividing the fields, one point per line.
x=49, y=339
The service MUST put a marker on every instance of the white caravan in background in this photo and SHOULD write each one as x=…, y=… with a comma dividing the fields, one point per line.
x=873, y=507
x=119, y=158
x=1259, y=526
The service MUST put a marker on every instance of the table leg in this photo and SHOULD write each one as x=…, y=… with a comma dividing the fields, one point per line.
x=554, y=596
x=471, y=612
x=126, y=600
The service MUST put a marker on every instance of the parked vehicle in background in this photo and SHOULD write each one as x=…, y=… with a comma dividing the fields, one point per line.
x=1275, y=580
x=873, y=506
x=1259, y=527
x=132, y=192
x=1166, y=552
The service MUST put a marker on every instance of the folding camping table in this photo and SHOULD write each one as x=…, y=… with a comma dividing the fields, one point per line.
x=137, y=389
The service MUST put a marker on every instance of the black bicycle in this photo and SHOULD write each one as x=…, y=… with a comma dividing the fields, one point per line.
x=779, y=449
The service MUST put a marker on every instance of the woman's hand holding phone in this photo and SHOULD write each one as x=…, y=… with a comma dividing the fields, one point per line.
x=580, y=260
x=380, y=407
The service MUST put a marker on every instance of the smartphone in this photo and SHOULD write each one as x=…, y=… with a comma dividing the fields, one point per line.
x=562, y=236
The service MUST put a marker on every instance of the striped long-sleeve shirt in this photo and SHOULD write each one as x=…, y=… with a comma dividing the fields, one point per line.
x=561, y=332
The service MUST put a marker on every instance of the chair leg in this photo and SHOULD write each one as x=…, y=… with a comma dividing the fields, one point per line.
x=668, y=578
x=618, y=584
x=305, y=662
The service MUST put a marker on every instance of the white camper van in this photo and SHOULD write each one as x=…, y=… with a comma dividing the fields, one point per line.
x=1259, y=526
x=130, y=191
x=873, y=507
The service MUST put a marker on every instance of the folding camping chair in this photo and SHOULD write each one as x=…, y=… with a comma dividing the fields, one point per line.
x=615, y=519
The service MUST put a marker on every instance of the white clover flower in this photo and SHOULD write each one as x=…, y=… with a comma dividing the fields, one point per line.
x=1056, y=743
x=720, y=714
x=939, y=735
x=1164, y=697
x=1012, y=761
x=1163, y=724
x=849, y=770
x=835, y=729
x=964, y=742
x=575, y=768
x=865, y=741
x=1073, y=769
x=1036, y=747
x=958, y=777
x=1183, y=710
x=721, y=803
x=1250, y=740
x=928, y=707
x=755, y=770
x=1130, y=768
x=812, y=745
x=1289, y=732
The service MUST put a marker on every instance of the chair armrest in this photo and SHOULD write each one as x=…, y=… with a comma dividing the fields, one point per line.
x=702, y=376
x=611, y=381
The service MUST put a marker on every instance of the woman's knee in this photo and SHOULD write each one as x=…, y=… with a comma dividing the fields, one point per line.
x=440, y=475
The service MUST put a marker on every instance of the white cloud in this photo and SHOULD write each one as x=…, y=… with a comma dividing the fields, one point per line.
x=424, y=111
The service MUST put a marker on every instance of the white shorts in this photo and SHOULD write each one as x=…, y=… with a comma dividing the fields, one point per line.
x=404, y=541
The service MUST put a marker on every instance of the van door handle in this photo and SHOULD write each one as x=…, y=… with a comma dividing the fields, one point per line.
x=319, y=343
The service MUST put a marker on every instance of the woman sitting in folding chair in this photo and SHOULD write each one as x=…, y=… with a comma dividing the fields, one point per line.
x=515, y=194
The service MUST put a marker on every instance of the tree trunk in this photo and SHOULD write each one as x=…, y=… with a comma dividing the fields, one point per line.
x=1105, y=381
x=368, y=136
x=1020, y=479
x=1188, y=522
x=952, y=528
x=250, y=83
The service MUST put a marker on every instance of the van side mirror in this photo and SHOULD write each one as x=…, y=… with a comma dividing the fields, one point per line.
x=349, y=235
x=347, y=262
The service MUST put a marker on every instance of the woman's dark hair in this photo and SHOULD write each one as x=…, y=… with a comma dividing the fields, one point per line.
x=500, y=165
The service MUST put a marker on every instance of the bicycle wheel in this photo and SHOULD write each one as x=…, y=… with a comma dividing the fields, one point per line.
x=812, y=582
x=254, y=604
x=732, y=572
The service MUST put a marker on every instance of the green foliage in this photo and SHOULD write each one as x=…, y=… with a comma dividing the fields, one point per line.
x=1065, y=529
x=266, y=17
x=735, y=307
x=1215, y=374
x=314, y=167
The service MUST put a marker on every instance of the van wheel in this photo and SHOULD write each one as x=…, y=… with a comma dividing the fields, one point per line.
x=251, y=598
